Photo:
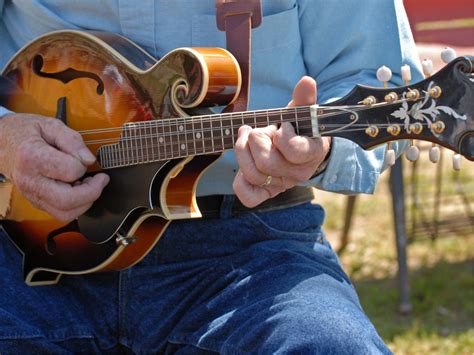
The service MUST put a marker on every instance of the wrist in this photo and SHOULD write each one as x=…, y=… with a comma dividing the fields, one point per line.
x=321, y=167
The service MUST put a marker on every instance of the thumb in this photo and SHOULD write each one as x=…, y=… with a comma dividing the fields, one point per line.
x=66, y=140
x=305, y=92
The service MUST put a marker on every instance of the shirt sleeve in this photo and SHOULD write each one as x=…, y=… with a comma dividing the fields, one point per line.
x=7, y=49
x=344, y=43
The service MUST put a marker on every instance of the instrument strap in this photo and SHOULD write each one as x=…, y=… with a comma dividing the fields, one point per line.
x=237, y=18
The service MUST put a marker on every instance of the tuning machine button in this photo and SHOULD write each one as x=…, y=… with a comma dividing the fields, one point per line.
x=390, y=155
x=457, y=162
x=372, y=131
x=413, y=94
x=427, y=66
x=413, y=152
x=416, y=128
x=435, y=92
x=448, y=55
x=394, y=130
x=406, y=74
x=435, y=154
x=369, y=101
x=391, y=97
x=438, y=127
x=384, y=74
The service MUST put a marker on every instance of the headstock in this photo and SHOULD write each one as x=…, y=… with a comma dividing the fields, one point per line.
x=439, y=109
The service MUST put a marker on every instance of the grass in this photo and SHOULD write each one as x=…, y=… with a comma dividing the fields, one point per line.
x=441, y=269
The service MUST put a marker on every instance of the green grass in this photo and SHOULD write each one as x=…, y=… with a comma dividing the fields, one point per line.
x=441, y=270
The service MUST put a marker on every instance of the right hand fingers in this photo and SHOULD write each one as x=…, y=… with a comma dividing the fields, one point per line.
x=61, y=200
x=39, y=159
x=67, y=140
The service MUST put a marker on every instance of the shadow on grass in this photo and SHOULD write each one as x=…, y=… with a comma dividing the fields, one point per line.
x=442, y=298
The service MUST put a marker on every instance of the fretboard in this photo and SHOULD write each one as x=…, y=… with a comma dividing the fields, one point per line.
x=166, y=139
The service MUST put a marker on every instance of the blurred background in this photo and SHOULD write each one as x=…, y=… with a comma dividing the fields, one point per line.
x=430, y=310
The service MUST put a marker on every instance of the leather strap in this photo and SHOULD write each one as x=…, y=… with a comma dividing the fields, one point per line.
x=237, y=18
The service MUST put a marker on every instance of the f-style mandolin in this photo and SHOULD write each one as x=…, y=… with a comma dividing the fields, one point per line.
x=150, y=125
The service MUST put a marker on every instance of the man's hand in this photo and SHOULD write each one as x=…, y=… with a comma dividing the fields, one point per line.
x=277, y=152
x=45, y=159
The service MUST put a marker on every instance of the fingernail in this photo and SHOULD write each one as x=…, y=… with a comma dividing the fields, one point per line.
x=86, y=156
x=106, y=180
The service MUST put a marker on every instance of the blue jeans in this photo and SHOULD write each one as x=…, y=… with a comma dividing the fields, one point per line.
x=255, y=283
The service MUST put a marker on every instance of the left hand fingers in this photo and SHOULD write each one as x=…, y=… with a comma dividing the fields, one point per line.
x=297, y=149
x=268, y=160
x=251, y=195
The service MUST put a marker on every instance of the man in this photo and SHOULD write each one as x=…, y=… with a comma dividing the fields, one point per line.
x=259, y=281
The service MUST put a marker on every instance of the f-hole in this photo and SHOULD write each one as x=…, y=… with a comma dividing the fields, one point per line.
x=67, y=75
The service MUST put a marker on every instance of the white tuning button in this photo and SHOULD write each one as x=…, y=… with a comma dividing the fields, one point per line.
x=457, y=162
x=435, y=154
x=427, y=65
x=384, y=74
x=448, y=55
x=390, y=156
x=413, y=153
x=406, y=74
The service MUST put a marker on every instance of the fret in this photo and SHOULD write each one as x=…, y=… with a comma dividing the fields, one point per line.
x=248, y=119
x=133, y=144
x=160, y=142
x=222, y=132
x=262, y=119
x=287, y=115
x=103, y=157
x=109, y=155
x=228, y=133
x=168, y=140
x=200, y=135
x=150, y=156
x=190, y=138
x=297, y=127
x=126, y=145
x=178, y=139
x=185, y=135
x=216, y=127
x=304, y=121
x=115, y=155
x=140, y=141
x=207, y=136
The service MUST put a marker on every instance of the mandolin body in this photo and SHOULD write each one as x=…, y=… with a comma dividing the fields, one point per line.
x=101, y=81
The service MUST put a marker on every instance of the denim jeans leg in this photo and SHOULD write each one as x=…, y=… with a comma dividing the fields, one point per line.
x=260, y=282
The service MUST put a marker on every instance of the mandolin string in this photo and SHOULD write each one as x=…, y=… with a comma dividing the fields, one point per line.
x=170, y=152
x=244, y=115
x=185, y=134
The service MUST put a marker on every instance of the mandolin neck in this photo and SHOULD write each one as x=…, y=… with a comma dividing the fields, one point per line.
x=166, y=139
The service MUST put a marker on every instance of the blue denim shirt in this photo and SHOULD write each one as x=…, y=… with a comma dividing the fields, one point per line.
x=339, y=43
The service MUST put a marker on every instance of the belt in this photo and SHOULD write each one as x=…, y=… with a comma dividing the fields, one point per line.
x=210, y=206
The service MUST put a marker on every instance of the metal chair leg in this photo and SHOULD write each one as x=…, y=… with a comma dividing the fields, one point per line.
x=398, y=202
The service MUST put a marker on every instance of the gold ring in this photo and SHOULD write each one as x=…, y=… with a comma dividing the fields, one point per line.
x=267, y=182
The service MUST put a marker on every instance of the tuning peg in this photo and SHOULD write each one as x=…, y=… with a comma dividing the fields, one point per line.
x=413, y=153
x=457, y=162
x=406, y=74
x=384, y=74
x=434, y=154
x=427, y=65
x=390, y=155
x=448, y=54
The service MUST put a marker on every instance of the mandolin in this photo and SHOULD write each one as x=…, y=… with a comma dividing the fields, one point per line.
x=153, y=120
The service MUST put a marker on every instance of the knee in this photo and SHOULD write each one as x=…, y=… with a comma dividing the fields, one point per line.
x=341, y=331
